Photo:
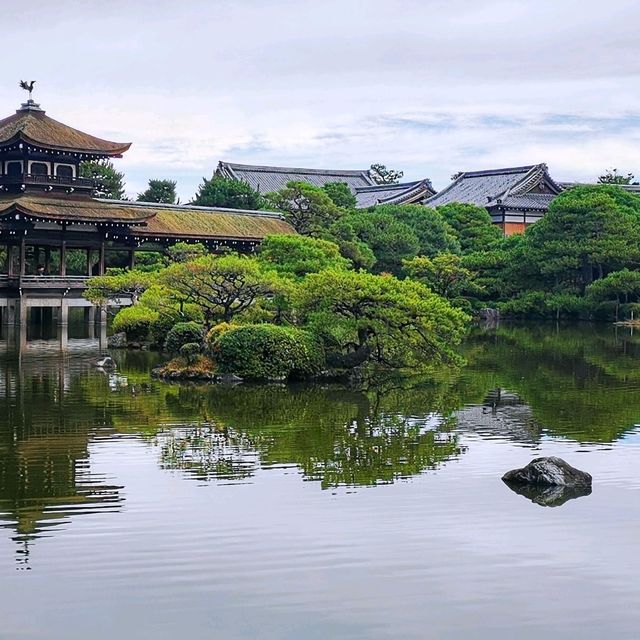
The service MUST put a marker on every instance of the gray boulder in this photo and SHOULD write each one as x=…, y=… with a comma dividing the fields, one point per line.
x=550, y=471
x=117, y=341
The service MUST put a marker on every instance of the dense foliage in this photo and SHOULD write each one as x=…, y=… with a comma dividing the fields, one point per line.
x=227, y=193
x=268, y=352
x=161, y=191
x=392, y=286
x=109, y=182
x=183, y=333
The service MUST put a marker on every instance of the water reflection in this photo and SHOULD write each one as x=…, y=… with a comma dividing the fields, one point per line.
x=46, y=427
x=549, y=496
x=580, y=382
x=521, y=385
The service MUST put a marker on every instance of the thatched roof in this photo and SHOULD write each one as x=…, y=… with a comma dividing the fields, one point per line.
x=207, y=223
x=73, y=209
x=150, y=220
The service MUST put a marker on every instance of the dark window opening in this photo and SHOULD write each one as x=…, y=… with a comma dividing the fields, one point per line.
x=14, y=169
x=64, y=171
x=39, y=169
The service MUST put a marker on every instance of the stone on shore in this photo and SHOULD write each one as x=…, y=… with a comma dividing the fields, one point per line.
x=117, y=341
x=549, y=471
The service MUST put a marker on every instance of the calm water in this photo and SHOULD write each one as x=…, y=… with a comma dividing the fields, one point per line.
x=137, y=509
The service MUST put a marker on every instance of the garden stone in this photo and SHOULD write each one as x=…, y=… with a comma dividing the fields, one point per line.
x=549, y=471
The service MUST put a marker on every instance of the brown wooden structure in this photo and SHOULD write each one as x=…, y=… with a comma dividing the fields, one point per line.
x=54, y=234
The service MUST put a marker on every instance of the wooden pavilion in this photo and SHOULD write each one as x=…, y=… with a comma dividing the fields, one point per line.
x=54, y=234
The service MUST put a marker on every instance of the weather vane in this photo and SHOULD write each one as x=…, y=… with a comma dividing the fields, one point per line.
x=27, y=86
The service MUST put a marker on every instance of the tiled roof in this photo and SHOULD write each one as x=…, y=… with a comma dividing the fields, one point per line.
x=530, y=201
x=402, y=193
x=266, y=179
x=31, y=125
x=485, y=188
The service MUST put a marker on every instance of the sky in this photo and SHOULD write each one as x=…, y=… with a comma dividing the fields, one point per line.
x=431, y=87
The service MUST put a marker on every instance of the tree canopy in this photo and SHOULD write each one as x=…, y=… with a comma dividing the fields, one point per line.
x=309, y=209
x=109, y=182
x=340, y=194
x=161, y=191
x=381, y=175
x=227, y=193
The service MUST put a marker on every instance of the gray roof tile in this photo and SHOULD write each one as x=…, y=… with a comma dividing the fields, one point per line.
x=402, y=193
x=493, y=187
x=266, y=179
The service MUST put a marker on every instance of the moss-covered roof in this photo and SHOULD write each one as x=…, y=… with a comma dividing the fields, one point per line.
x=151, y=220
x=32, y=125
x=61, y=209
x=211, y=224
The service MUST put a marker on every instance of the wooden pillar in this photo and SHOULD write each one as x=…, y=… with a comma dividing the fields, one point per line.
x=47, y=260
x=11, y=252
x=23, y=257
x=102, y=327
x=63, y=259
x=102, y=253
x=132, y=259
x=88, y=267
x=64, y=313
x=21, y=312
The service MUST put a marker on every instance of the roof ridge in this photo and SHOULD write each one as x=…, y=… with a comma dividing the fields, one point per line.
x=496, y=172
x=279, y=169
x=398, y=185
x=190, y=207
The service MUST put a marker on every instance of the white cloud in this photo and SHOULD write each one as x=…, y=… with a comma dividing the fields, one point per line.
x=428, y=86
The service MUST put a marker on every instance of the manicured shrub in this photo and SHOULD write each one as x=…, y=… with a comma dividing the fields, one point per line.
x=181, y=334
x=135, y=321
x=190, y=351
x=268, y=352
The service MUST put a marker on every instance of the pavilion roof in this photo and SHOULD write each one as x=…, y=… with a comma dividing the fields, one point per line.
x=208, y=223
x=495, y=186
x=266, y=179
x=74, y=209
x=151, y=219
x=32, y=125
x=401, y=193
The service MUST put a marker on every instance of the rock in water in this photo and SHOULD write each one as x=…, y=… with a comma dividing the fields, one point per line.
x=106, y=363
x=548, y=472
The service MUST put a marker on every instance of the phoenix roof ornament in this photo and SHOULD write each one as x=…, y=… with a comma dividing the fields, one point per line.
x=27, y=86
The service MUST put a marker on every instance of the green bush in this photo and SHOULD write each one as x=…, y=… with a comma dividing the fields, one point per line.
x=181, y=334
x=190, y=351
x=135, y=321
x=269, y=352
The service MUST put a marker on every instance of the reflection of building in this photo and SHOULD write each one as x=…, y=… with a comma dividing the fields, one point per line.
x=265, y=179
x=515, y=197
x=45, y=430
x=503, y=413
x=54, y=234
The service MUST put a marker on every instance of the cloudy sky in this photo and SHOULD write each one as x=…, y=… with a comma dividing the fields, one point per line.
x=428, y=86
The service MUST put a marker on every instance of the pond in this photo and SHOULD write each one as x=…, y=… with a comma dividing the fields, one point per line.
x=134, y=508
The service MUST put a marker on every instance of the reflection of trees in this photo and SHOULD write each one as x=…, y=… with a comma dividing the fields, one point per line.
x=579, y=382
x=45, y=429
x=207, y=451
x=334, y=435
